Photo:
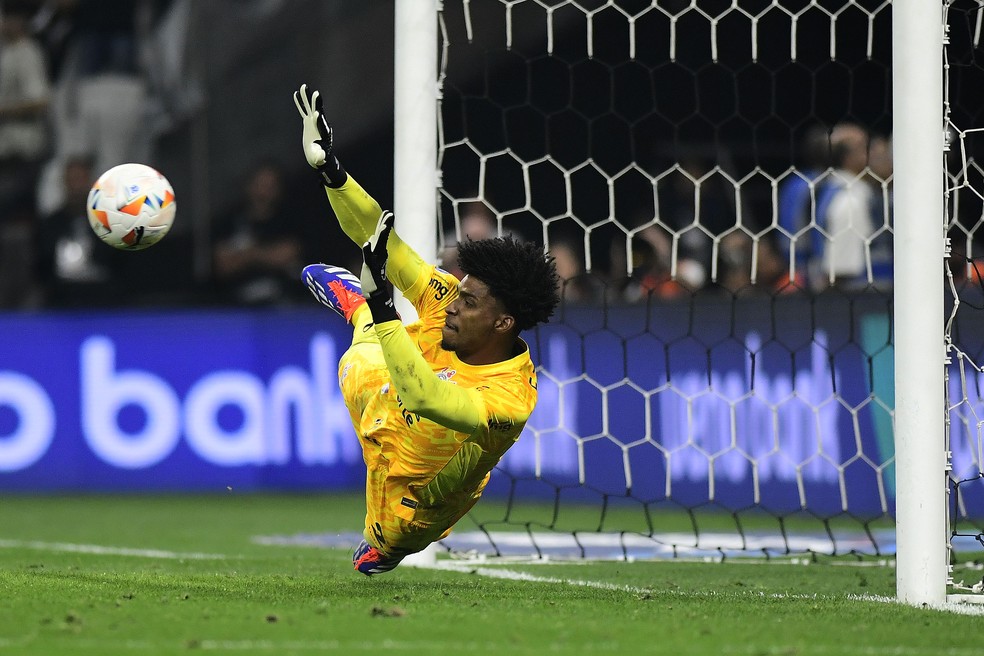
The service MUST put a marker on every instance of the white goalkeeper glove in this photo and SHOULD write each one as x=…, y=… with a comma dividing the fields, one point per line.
x=316, y=138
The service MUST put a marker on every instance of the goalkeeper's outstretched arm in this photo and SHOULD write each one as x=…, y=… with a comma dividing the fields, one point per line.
x=419, y=388
x=357, y=211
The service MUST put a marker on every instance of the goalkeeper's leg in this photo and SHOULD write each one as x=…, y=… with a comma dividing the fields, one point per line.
x=369, y=560
x=362, y=373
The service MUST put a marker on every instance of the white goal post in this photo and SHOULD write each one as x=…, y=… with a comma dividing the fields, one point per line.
x=919, y=229
x=415, y=90
x=917, y=37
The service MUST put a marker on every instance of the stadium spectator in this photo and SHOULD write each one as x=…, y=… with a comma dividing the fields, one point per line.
x=435, y=404
x=53, y=24
x=696, y=203
x=844, y=210
x=75, y=268
x=24, y=96
x=476, y=222
x=101, y=98
x=652, y=272
x=576, y=284
x=797, y=194
x=739, y=255
x=882, y=248
x=258, y=246
x=735, y=253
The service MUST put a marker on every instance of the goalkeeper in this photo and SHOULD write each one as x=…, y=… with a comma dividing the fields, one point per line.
x=436, y=403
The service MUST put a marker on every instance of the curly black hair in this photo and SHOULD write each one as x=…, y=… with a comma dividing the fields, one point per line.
x=517, y=273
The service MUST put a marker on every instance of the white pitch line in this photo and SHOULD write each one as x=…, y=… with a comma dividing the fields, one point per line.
x=514, y=575
x=107, y=551
x=947, y=606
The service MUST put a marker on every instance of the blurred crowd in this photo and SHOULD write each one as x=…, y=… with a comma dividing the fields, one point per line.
x=71, y=105
x=824, y=222
x=73, y=100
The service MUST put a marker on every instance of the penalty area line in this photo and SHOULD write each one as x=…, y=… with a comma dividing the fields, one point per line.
x=100, y=550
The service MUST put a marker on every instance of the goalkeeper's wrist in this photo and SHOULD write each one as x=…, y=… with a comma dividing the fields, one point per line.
x=382, y=307
x=332, y=173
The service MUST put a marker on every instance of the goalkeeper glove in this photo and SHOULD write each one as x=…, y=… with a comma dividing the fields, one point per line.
x=375, y=284
x=316, y=138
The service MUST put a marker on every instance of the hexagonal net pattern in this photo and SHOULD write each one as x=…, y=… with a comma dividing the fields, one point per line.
x=713, y=180
x=964, y=375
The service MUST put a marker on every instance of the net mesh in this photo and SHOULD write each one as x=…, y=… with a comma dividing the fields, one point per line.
x=964, y=190
x=714, y=181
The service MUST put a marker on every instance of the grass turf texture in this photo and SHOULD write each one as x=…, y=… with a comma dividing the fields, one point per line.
x=230, y=595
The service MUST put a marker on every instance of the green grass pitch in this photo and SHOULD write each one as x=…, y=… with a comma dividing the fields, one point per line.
x=182, y=575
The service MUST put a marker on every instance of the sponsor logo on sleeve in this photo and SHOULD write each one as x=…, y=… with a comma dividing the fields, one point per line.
x=501, y=426
x=440, y=288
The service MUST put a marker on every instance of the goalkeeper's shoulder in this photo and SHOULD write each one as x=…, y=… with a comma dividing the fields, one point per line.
x=431, y=289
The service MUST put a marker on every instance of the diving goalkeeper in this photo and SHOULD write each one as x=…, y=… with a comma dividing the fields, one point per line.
x=436, y=403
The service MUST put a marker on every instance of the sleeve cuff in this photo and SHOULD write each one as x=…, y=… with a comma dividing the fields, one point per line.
x=382, y=307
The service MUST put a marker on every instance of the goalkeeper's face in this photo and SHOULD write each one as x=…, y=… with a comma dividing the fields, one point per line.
x=476, y=320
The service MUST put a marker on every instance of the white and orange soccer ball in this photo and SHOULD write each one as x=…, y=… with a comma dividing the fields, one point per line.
x=131, y=207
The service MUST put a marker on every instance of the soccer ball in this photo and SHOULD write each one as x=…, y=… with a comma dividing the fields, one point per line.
x=131, y=207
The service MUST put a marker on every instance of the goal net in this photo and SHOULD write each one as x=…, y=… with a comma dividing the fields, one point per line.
x=714, y=180
x=964, y=193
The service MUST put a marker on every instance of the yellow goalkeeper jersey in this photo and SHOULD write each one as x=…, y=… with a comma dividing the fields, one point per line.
x=423, y=472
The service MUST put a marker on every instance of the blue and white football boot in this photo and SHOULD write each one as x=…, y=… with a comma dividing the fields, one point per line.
x=334, y=287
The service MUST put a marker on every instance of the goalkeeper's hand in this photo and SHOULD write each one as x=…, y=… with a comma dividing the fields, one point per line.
x=316, y=137
x=375, y=284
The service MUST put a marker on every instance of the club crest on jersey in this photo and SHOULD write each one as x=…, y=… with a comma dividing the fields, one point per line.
x=446, y=374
